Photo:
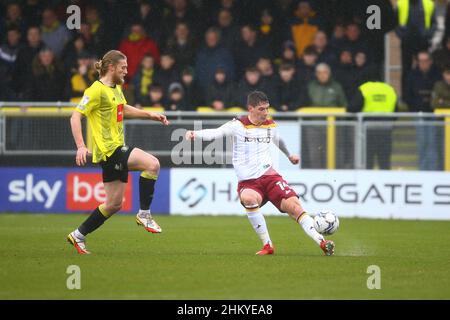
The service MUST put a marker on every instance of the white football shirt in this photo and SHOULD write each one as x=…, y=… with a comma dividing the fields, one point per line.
x=251, y=145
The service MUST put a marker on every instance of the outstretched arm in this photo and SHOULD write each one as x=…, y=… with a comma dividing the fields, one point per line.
x=211, y=134
x=132, y=112
x=293, y=158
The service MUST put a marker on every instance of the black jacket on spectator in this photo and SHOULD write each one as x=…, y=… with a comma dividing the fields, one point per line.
x=6, y=92
x=69, y=55
x=213, y=8
x=116, y=16
x=192, y=96
x=184, y=55
x=354, y=47
x=346, y=74
x=362, y=73
x=305, y=73
x=268, y=86
x=23, y=68
x=147, y=101
x=176, y=105
x=220, y=91
x=351, y=10
x=193, y=17
x=441, y=58
x=151, y=22
x=328, y=56
x=228, y=36
x=287, y=93
x=32, y=12
x=166, y=77
x=246, y=56
x=208, y=60
x=8, y=55
x=243, y=89
x=271, y=40
x=418, y=89
x=47, y=84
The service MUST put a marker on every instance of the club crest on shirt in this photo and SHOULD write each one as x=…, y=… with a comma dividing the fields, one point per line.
x=119, y=112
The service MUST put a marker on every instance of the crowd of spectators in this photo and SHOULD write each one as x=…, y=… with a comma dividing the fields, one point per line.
x=183, y=54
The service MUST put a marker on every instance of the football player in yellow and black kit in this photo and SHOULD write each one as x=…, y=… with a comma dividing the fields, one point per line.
x=105, y=107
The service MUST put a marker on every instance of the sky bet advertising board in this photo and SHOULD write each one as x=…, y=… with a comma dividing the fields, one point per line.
x=66, y=190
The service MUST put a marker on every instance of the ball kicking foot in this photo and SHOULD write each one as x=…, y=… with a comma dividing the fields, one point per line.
x=328, y=247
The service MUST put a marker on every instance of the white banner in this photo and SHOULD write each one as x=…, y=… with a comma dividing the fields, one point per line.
x=349, y=193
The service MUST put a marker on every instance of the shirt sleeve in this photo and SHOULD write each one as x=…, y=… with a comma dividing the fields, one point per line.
x=89, y=102
x=226, y=129
x=279, y=142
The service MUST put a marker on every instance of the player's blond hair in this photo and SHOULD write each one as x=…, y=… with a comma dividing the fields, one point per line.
x=112, y=57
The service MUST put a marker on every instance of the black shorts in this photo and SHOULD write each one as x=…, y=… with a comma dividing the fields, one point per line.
x=115, y=167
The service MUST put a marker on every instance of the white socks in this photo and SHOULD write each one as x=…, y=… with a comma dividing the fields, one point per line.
x=259, y=225
x=258, y=222
x=144, y=213
x=78, y=234
x=307, y=224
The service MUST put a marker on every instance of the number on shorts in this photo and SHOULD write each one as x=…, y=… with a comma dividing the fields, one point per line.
x=283, y=185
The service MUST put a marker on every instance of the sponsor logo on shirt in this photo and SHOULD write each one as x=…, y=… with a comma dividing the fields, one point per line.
x=84, y=101
x=120, y=113
x=258, y=139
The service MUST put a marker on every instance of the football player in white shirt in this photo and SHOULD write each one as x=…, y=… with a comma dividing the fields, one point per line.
x=258, y=181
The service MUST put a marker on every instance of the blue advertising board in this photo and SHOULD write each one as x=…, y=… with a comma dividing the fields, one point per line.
x=65, y=190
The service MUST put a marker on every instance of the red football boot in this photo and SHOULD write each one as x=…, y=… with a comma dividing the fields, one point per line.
x=267, y=249
x=328, y=247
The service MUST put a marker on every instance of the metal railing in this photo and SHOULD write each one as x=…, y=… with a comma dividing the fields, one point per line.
x=327, y=135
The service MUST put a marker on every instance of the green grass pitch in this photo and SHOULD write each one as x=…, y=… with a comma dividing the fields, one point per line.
x=206, y=257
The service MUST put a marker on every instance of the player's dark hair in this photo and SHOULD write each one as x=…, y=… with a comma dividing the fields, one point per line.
x=112, y=57
x=257, y=98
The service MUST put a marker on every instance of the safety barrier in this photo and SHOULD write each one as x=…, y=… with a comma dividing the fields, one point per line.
x=29, y=128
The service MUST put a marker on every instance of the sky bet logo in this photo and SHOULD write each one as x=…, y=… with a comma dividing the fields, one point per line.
x=56, y=191
x=85, y=191
x=29, y=190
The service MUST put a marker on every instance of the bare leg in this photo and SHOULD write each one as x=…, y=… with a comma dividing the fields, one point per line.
x=115, y=192
x=114, y=197
x=142, y=161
